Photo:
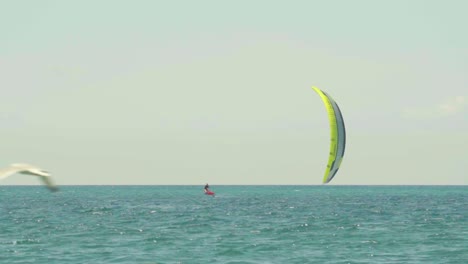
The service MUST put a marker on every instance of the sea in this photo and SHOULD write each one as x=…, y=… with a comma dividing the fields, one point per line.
x=240, y=224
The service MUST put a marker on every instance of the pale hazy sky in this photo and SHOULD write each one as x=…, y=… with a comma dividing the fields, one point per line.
x=189, y=92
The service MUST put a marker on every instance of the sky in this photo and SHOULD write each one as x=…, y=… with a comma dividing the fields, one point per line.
x=194, y=92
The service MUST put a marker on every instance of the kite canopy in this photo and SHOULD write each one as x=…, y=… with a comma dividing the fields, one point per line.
x=338, y=135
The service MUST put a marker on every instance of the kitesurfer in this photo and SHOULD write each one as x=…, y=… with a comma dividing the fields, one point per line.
x=207, y=188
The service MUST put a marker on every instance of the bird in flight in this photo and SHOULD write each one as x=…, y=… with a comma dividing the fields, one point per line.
x=29, y=170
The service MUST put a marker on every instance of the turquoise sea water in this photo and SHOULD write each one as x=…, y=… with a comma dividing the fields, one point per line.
x=241, y=224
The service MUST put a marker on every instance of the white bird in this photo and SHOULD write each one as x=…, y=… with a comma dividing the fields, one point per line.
x=30, y=170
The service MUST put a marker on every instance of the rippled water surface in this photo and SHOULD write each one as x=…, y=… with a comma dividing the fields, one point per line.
x=241, y=224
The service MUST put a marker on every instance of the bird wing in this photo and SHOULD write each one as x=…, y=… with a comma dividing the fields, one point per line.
x=49, y=183
x=8, y=171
